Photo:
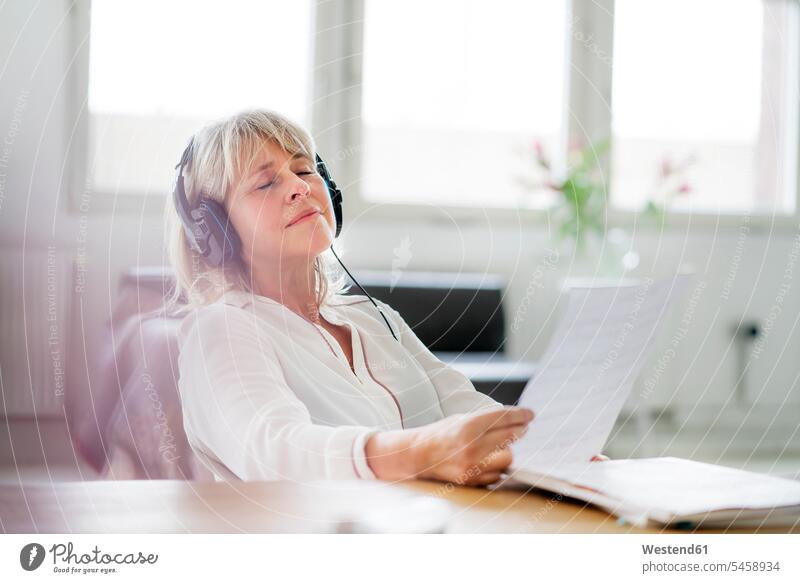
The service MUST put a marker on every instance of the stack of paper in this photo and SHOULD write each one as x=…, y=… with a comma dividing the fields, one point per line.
x=671, y=490
x=583, y=381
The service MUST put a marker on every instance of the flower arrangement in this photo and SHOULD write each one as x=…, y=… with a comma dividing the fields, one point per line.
x=581, y=189
x=582, y=192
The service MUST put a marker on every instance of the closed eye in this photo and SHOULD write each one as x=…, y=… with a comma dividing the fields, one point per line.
x=269, y=184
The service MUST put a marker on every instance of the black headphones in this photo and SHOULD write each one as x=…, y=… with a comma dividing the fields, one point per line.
x=211, y=234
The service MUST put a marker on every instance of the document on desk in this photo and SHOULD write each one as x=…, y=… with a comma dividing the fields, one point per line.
x=581, y=384
x=599, y=348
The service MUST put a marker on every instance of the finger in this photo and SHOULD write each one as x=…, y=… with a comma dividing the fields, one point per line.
x=494, y=442
x=497, y=459
x=505, y=417
x=600, y=458
x=487, y=478
x=505, y=436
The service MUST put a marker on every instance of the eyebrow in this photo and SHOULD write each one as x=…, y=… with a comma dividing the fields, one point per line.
x=267, y=165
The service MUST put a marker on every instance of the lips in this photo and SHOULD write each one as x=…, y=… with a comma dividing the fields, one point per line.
x=303, y=216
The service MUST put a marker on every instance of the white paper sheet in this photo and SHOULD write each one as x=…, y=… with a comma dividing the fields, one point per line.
x=587, y=372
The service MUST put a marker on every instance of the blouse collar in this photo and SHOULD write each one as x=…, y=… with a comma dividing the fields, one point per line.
x=328, y=310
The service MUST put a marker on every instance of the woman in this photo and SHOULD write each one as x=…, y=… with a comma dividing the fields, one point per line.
x=282, y=375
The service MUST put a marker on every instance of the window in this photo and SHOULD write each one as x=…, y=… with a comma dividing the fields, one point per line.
x=711, y=81
x=159, y=70
x=453, y=94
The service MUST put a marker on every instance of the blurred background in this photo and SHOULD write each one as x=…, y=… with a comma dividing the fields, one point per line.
x=490, y=154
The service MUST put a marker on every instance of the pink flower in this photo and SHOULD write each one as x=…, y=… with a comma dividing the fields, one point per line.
x=552, y=185
x=666, y=167
x=575, y=145
x=540, y=155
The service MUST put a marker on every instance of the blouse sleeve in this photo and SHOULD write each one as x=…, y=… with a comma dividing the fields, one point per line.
x=238, y=405
x=456, y=392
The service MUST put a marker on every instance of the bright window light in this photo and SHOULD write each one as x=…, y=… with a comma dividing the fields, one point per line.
x=454, y=93
x=159, y=70
x=707, y=87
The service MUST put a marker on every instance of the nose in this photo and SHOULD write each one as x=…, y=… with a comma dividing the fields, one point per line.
x=301, y=187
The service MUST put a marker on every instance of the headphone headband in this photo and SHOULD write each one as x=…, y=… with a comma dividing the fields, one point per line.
x=182, y=202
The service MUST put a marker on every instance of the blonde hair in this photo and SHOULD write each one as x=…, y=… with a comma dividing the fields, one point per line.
x=223, y=151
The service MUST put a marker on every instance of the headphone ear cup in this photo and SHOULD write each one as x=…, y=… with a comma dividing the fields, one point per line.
x=223, y=241
x=334, y=193
x=336, y=201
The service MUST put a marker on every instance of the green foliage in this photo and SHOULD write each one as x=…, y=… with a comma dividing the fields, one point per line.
x=583, y=196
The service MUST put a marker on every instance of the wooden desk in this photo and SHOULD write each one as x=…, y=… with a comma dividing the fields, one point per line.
x=167, y=506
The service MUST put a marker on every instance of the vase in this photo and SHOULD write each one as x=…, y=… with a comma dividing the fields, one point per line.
x=609, y=255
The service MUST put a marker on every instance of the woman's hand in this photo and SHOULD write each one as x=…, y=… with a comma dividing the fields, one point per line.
x=468, y=449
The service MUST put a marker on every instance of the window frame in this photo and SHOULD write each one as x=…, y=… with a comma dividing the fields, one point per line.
x=336, y=125
x=587, y=115
x=759, y=220
x=82, y=199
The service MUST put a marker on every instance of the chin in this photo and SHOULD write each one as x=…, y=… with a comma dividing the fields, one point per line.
x=320, y=244
x=310, y=248
x=321, y=239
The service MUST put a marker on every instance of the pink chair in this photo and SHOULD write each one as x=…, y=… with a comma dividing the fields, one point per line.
x=130, y=424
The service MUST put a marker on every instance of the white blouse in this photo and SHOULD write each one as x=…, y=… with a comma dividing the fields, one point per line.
x=270, y=395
